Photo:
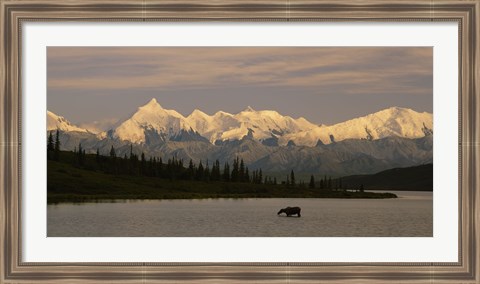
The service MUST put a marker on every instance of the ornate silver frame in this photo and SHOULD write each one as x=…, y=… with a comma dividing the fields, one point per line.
x=13, y=13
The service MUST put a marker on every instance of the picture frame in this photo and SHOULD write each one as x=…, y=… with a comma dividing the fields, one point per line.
x=14, y=13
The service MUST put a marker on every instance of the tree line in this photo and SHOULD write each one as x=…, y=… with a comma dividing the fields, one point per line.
x=325, y=183
x=173, y=168
x=176, y=169
x=53, y=147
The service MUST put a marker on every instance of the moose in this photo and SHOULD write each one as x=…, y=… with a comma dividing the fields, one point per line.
x=290, y=211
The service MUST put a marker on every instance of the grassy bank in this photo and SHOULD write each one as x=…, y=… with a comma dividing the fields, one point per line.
x=67, y=183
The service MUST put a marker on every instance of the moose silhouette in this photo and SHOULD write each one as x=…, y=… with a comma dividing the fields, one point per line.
x=290, y=211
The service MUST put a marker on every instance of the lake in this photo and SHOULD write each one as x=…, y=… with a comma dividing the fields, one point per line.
x=410, y=215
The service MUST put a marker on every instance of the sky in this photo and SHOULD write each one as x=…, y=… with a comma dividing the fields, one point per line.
x=326, y=85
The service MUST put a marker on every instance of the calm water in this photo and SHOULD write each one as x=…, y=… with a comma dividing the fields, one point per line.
x=408, y=216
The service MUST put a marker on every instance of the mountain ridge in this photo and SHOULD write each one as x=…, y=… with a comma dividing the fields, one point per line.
x=267, y=140
x=267, y=126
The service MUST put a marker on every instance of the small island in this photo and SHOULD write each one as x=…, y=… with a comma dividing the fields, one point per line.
x=80, y=177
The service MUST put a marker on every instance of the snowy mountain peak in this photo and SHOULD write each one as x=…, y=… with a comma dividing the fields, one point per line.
x=151, y=105
x=393, y=121
x=55, y=122
x=152, y=119
x=152, y=123
x=153, y=101
x=399, y=111
x=198, y=113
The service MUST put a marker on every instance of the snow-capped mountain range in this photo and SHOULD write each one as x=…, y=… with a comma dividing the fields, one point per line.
x=394, y=137
x=152, y=124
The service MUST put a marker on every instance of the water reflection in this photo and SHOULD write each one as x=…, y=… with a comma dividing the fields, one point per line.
x=408, y=216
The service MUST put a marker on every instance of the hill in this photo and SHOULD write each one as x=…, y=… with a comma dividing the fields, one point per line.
x=410, y=178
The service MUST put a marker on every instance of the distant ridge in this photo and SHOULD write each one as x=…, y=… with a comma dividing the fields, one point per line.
x=267, y=126
x=411, y=178
x=393, y=121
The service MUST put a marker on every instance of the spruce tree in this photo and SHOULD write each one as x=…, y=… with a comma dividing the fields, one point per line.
x=50, y=146
x=160, y=167
x=292, y=178
x=207, y=173
x=200, y=171
x=226, y=172
x=112, y=152
x=57, y=146
x=143, y=164
x=124, y=164
x=80, y=153
x=97, y=156
x=241, y=172
x=191, y=170
x=216, y=171
x=150, y=166
x=154, y=167
x=312, y=182
x=235, y=170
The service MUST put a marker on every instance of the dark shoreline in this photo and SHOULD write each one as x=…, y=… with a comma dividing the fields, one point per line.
x=56, y=199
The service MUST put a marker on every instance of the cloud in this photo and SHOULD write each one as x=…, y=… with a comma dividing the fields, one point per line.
x=350, y=69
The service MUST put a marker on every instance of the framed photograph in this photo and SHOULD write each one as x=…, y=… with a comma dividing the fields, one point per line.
x=232, y=141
